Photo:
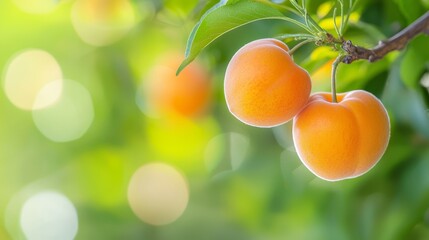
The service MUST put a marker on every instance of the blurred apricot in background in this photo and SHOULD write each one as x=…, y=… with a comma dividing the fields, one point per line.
x=102, y=22
x=187, y=94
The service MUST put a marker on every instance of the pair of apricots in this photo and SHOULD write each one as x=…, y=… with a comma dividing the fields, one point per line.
x=334, y=140
x=265, y=88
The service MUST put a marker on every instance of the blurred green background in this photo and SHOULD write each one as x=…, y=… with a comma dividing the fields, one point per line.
x=81, y=157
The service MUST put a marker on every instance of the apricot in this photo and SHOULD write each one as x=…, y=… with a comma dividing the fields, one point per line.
x=341, y=140
x=263, y=85
x=187, y=94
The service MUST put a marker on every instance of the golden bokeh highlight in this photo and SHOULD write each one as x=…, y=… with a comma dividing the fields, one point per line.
x=102, y=22
x=37, y=6
x=158, y=194
x=27, y=74
x=328, y=23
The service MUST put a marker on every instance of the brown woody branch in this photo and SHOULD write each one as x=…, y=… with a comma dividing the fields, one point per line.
x=397, y=42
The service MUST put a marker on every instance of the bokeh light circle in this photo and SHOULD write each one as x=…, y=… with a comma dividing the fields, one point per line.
x=424, y=81
x=229, y=147
x=69, y=117
x=158, y=194
x=102, y=22
x=27, y=74
x=49, y=215
x=37, y=6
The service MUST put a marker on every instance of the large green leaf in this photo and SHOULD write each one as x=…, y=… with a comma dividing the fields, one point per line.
x=224, y=17
x=410, y=11
x=416, y=58
x=410, y=107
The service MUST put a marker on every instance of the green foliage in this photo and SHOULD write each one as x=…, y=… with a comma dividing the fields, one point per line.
x=228, y=15
x=415, y=62
x=224, y=17
x=411, y=109
x=410, y=11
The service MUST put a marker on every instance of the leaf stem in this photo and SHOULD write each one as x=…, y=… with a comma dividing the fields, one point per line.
x=335, y=64
x=296, y=22
x=296, y=36
x=352, y=6
x=296, y=47
x=342, y=18
x=334, y=14
x=307, y=18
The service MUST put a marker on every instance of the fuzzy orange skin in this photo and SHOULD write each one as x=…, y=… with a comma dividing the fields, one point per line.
x=341, y=140
x=186, y=94
x=263, y=86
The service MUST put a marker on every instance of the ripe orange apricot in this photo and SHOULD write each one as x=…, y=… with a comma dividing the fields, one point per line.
x=187, y=94
x=263, y=85
x=341, y=140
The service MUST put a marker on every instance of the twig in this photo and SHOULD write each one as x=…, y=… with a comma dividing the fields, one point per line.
x=397, y=42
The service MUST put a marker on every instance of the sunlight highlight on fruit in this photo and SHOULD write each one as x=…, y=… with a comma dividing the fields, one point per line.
x=49, y=216
x=158, y=194
x=102, y=22
x=37, y=6
x=69, y=117
x=27, y=74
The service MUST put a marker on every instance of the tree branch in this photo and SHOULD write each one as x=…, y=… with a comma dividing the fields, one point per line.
x=397, y=42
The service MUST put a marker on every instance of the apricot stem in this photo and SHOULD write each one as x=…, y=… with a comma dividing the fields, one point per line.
x=335, y=64
x=296, y=47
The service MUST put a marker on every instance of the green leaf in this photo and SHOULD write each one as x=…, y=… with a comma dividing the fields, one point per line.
x=415, y=60
x=208, y=5
x=410, y=11
x=225, y=17
x=410, y=109
x=295, y=36
x=180, y=7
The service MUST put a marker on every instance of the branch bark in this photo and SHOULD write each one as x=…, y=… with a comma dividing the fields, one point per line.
x=397, y=42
